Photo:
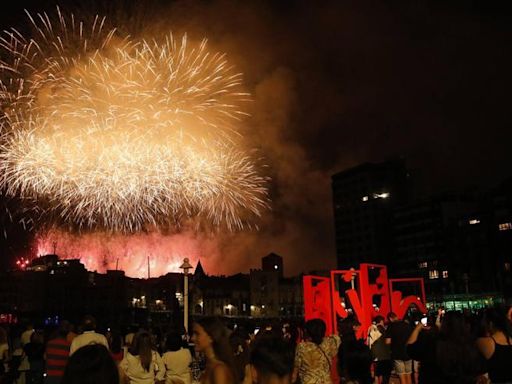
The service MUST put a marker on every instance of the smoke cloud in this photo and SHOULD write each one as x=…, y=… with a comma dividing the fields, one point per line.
x=335, y=84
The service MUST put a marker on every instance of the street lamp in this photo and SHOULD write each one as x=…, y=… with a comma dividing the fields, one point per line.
x=185, y=266
x=353, y=275
x=465, y=278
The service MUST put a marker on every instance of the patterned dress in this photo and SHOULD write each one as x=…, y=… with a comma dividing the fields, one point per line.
x=314, y=361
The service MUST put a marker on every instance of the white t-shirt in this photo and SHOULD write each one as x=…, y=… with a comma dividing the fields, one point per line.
x=132, y=367
x=177, y=365
x=4, y=348
x=128, y=339
x=4, y=355
x=87, y=338
x=25, y=336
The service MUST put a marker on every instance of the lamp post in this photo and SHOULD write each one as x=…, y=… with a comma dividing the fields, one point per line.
x=353, y=275
x=465, y=278
x=185, y=266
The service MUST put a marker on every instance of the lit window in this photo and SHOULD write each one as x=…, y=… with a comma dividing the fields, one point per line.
x=474, y=221
x=365, y=198
x=445, y=274
x=423, y=264
x=433, y=274
x=505, y=226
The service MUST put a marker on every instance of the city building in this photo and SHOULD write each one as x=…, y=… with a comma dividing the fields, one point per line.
x=291, y=297
x=364, y=198
x=273, y=262
x=459, y=242
x=264, y=288
x=220, y=295
x=50, y=288
x=423, y=240
x=273, y=295
x=501, y=204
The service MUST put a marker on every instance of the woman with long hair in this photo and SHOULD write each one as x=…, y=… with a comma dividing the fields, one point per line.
x=142, y=364
x=496, y=347
x=210, y=336
x=115, y=343
x=447, y=355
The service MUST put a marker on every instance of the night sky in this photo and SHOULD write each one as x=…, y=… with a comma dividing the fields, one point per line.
x=335, y=84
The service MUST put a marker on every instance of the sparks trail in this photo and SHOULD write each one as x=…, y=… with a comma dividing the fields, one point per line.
x=108, y=133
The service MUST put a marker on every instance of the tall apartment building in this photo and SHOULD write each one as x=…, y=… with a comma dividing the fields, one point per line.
x=364, y=198
x=501, y=202
x=424, y=240
x=459, y=242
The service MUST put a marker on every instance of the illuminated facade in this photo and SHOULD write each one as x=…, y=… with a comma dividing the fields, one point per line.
x=220, y=295
x=263, y=293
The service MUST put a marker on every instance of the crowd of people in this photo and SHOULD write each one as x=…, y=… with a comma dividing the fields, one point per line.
x=447, y=347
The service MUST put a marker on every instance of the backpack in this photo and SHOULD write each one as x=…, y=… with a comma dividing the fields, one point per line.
x=380, y=350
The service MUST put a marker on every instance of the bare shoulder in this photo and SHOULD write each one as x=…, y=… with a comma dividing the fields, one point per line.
x=221, y=374
x=486, y=346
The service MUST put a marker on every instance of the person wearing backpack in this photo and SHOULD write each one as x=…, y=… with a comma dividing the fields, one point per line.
x=380, y=351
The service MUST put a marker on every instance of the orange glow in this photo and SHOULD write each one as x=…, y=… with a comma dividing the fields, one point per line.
x=101, y=252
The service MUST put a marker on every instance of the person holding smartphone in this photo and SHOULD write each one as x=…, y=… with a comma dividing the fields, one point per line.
x=447, y=355
x=397, y=333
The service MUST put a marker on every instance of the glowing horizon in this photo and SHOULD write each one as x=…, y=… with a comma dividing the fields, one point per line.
x=129, y=253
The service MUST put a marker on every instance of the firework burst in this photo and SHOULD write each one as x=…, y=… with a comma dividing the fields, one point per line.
x=101, y=132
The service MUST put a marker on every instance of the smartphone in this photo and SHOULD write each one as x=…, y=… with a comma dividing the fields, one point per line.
x=424, y=321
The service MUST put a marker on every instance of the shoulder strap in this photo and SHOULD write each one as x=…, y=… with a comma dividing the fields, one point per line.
x=326, y=357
